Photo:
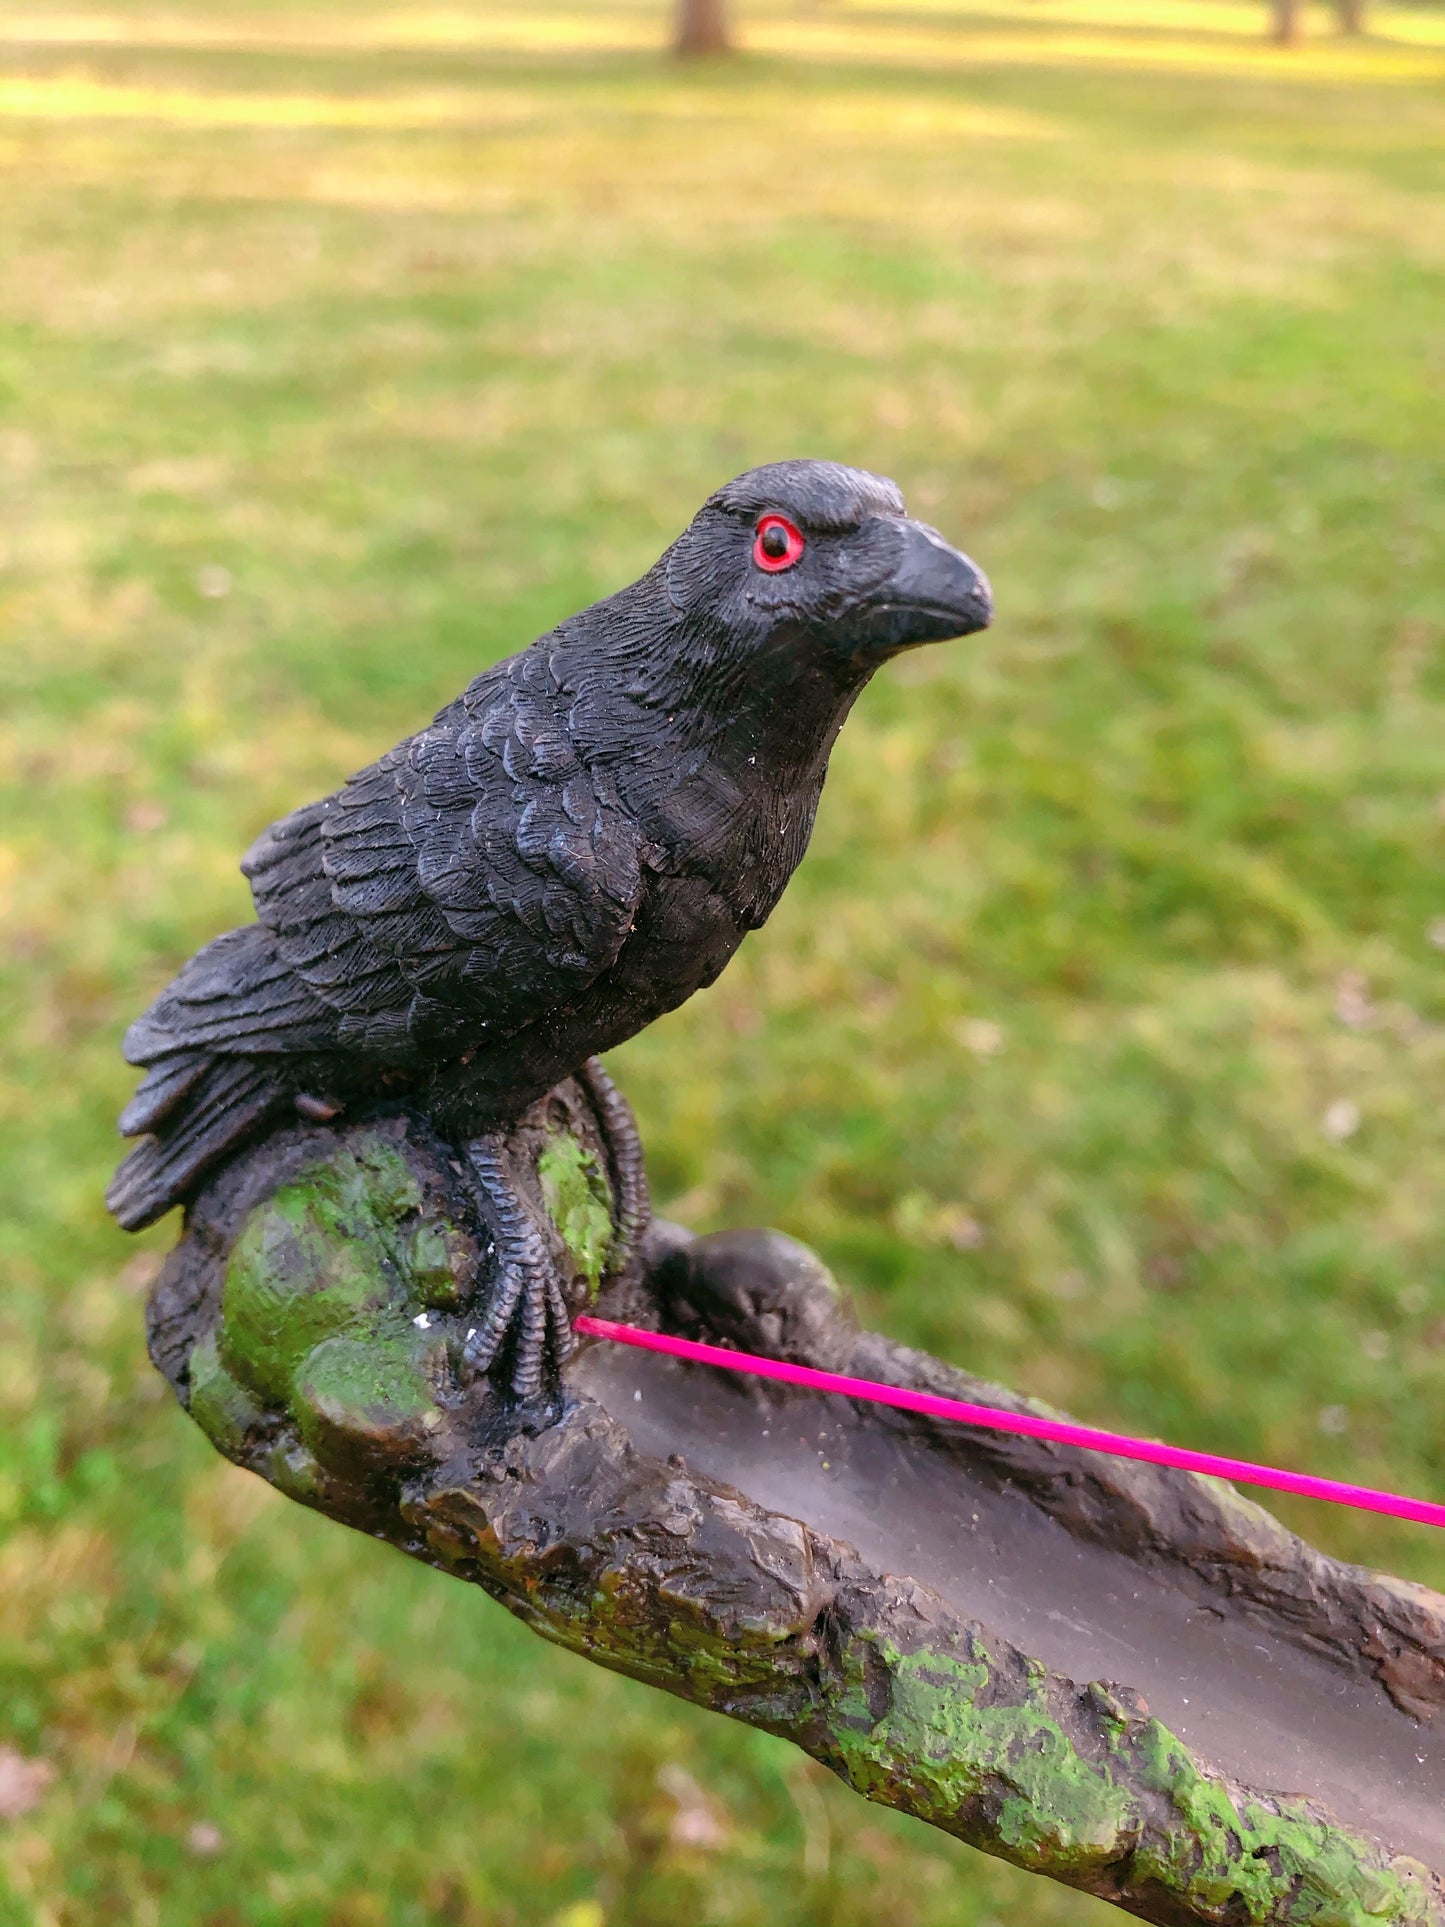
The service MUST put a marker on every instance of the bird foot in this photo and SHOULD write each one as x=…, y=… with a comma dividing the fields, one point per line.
x=526, y=1307
x=632, y=1207
x=527, y=1313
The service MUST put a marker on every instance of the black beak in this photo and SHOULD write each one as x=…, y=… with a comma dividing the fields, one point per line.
x=934, y=593
x=940, y=583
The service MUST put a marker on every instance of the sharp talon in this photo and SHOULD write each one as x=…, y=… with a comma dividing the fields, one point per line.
x=316, y=1110
x=527, y=1313
x=525, y=1299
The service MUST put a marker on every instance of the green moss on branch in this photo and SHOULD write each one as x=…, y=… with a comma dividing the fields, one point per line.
x=319, y=1346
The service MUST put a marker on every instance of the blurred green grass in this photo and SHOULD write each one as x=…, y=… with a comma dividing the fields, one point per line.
x=1100, y=1043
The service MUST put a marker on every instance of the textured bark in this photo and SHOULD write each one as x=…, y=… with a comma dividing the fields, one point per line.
x=311, y=1321
x=702, y=29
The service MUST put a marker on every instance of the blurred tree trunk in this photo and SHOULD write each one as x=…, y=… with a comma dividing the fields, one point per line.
x=1352, y=15
x=1286, y=18
x=702, y=29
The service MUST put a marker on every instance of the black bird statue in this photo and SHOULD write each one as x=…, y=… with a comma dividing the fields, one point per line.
x=574, y=846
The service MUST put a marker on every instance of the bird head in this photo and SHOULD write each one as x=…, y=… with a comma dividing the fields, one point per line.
x=814, y=560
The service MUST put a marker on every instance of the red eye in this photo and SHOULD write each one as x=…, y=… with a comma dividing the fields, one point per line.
x=778, y=544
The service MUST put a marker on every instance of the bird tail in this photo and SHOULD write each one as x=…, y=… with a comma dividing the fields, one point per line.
x=199, y=1107
x=215, y=1046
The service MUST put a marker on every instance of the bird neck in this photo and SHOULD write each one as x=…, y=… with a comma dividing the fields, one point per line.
x=779, y=730
x=644, y=674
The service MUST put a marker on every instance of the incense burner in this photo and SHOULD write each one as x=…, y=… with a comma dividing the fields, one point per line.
x=1127, y=1678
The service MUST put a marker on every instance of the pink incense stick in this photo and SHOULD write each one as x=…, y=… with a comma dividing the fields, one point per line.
x=1060, y=1431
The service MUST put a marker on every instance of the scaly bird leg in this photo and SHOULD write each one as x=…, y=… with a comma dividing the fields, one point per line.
x=632, y=1206
x=526, y=1304
x=526, y=1307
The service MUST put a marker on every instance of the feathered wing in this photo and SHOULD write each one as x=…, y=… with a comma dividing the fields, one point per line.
x=523, y=850
x=475, y=876
x=212, y=1042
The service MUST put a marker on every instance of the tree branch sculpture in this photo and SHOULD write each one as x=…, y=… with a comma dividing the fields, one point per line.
x=1130, y=1680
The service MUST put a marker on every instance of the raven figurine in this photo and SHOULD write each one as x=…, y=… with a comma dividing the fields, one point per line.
x=574, y=846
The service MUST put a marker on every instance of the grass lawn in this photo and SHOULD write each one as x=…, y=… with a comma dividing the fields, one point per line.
x=1100, y=1042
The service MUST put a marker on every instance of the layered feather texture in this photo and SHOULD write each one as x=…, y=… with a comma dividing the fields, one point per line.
x=572, y=847
x=478, y=874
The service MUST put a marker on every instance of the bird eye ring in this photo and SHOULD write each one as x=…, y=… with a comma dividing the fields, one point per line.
x=777, y=545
